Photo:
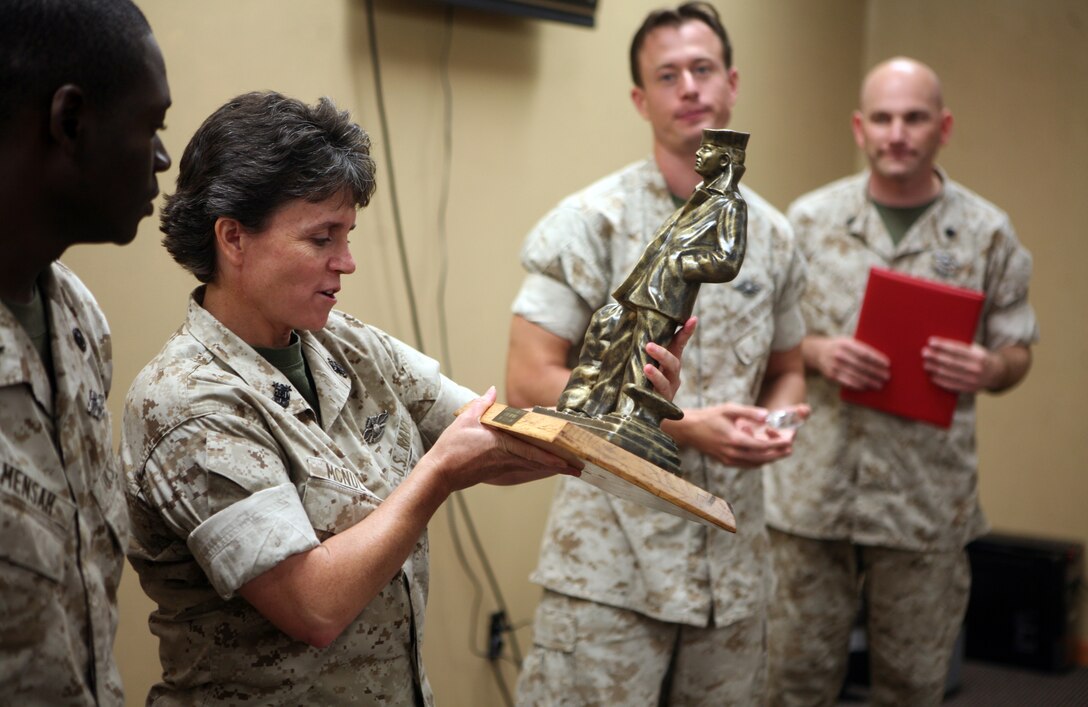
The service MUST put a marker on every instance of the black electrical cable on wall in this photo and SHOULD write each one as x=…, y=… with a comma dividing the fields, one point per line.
x=459, y=502
x=398, y=229
x=444, y=194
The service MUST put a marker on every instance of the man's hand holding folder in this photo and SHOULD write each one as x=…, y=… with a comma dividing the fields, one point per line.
x=850, y=363
x=913, y=347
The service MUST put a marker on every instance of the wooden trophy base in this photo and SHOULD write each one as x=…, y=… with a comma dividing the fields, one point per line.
x=612, y=468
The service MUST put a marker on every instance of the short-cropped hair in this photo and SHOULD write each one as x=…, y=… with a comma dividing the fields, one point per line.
x=700, y=11
x=97, y=45
x=253, y=155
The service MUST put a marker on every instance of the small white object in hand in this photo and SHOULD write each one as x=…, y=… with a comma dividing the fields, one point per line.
x=784, y=420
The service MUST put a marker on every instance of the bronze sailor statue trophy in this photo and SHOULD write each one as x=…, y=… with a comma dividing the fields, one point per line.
x=703, y=241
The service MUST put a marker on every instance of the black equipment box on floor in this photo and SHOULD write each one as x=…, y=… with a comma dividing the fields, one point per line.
x=1023, y=607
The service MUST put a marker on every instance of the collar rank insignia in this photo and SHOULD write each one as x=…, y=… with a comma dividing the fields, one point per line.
x=96, y=404
x=337, y=368
x=945, y=264
x=748, y=288
x=375, y=427
x=81, y=341
x=281, y=394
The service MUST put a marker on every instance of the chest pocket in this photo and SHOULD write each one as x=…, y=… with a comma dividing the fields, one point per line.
x=335, y=498
x=749, y=321
x=39, y=533
x=836, y=281
x=736, y=327
x=33, y=557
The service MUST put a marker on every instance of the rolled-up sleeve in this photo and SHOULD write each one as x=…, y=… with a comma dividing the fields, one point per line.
x=220, y=483
x=1009, y=320
x=451, y=397
x=569, y=271
x=250, y=537
x=552, y=305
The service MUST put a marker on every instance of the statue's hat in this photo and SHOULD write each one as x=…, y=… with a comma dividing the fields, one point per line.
x=725, y=138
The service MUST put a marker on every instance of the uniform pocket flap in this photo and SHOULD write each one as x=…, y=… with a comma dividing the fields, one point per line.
x=555, y=630
x=243, y=462
x=334, y=498
x=34, y=532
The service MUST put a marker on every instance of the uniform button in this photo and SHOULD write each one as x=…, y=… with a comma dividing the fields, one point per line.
x=81, y=342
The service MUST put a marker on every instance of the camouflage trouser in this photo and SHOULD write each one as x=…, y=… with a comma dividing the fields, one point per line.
x=915, y=603
x=586, y=653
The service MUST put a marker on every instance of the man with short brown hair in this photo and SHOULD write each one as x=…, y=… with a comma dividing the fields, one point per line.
x=641, y=607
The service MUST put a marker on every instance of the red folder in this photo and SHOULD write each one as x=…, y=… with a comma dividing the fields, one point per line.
x=898, y=316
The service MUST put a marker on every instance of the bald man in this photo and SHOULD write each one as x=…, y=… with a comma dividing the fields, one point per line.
x=873, y=505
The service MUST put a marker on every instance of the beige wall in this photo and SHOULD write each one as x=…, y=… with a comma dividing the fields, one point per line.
x=540, y=109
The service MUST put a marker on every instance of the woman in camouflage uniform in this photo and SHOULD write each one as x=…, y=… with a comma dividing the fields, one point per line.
x=282, y=458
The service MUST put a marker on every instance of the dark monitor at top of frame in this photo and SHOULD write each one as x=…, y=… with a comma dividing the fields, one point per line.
x=580, y=12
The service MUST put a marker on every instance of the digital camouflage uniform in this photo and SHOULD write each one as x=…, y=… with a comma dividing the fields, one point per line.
x=62, y=511
x=662, y=571
x=904, y=491
x=228, y=473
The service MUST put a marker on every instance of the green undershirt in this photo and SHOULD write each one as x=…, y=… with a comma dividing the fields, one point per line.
x=898, y=219
x=292, y=364
x=35, y=322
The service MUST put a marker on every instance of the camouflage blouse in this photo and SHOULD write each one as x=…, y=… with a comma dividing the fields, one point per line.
x=62, y=510
x=867, y=476
x=229, y=472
